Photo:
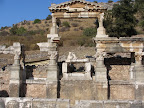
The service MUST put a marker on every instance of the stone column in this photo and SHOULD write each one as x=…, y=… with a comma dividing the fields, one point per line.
x=54, y=28
x=52, y=71
x=15, y=75
x=101, y=76
x=100, y=71
x=138, y=68
x=101, y=32
x=52, y=76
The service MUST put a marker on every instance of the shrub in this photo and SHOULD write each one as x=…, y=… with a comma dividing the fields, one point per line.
x=66, y=24
x=47, y=29
x=81, y=28
x=95, y=2
x=13, y=30
x=76, y=29
x=21, y=31
x=110, y=1
x=37, y=26
x=74, y=24
x=48, y=17
x=28, y=23
x=37, y=21
x=2, y=28
x=4, y=33
x=31, y=32
x=85, y=41
x=90, y=32
x=64, y=29
x=142, y=24
x=45, y=22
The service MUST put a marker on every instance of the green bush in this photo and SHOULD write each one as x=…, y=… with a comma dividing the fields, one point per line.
x=21, y=31
x=110, y=1
x=13, y=30
x=48, y=17
x=2, y=28
x=66, y=24
x=95, y=2
x=4, y=33
x=37, y=21
x=90, y=32
x=85, y=41
x=142, y=24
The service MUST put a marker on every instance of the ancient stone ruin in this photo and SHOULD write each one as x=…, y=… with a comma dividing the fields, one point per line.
x=112, y=78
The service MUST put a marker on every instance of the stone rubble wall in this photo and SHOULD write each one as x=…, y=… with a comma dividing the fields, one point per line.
x=120, y=72
x=65, y=103
x=4, y=82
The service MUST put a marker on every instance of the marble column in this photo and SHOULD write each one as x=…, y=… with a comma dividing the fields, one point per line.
x=52, y=76
x=100, y=71
x=54, y=28
x=15, y=75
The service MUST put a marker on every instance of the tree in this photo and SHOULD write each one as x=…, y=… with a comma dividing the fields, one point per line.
x=139, y=4
x=90, y=32
x=48, y=17
x=37, y=21
x=110, y=1
x=95, y=2
x=122, y=20
x=21, y=31
x=13, y=30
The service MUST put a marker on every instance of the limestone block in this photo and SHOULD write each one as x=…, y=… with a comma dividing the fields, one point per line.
x=12, y=104
x=64, y=68
x=52, y=73
x=2, y=104
x=8, y=50
x=139, y=72
x=14, y=90
x=17, y=47
x=137, y=104
x=36, y=90
x=51, y=90
x=139, y=92
x=112, y=104
x=53, y=37
x=77, y=90
x=15, y=73
x=122, y=92
x=88, y=67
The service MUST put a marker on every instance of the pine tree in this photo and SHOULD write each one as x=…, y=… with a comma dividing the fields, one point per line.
x=123, y=20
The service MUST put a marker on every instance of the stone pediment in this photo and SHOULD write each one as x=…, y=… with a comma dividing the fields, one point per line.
x=77, y=5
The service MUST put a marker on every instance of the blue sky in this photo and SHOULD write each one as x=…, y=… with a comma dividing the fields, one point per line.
x=15, y=11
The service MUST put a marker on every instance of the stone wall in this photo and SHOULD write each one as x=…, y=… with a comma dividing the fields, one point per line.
x=65, y=103
x=36, y=89
x=122, y=92
x=4, y=83
x=82, y=90
x=119, y=72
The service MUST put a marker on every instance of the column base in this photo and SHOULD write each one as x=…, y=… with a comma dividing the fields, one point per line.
x=14, y=89
x=101, y=74
x=138, y=73
x=52, y=90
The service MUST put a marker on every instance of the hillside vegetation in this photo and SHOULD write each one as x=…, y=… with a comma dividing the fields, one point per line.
x=73, y=32
x=125, y=19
